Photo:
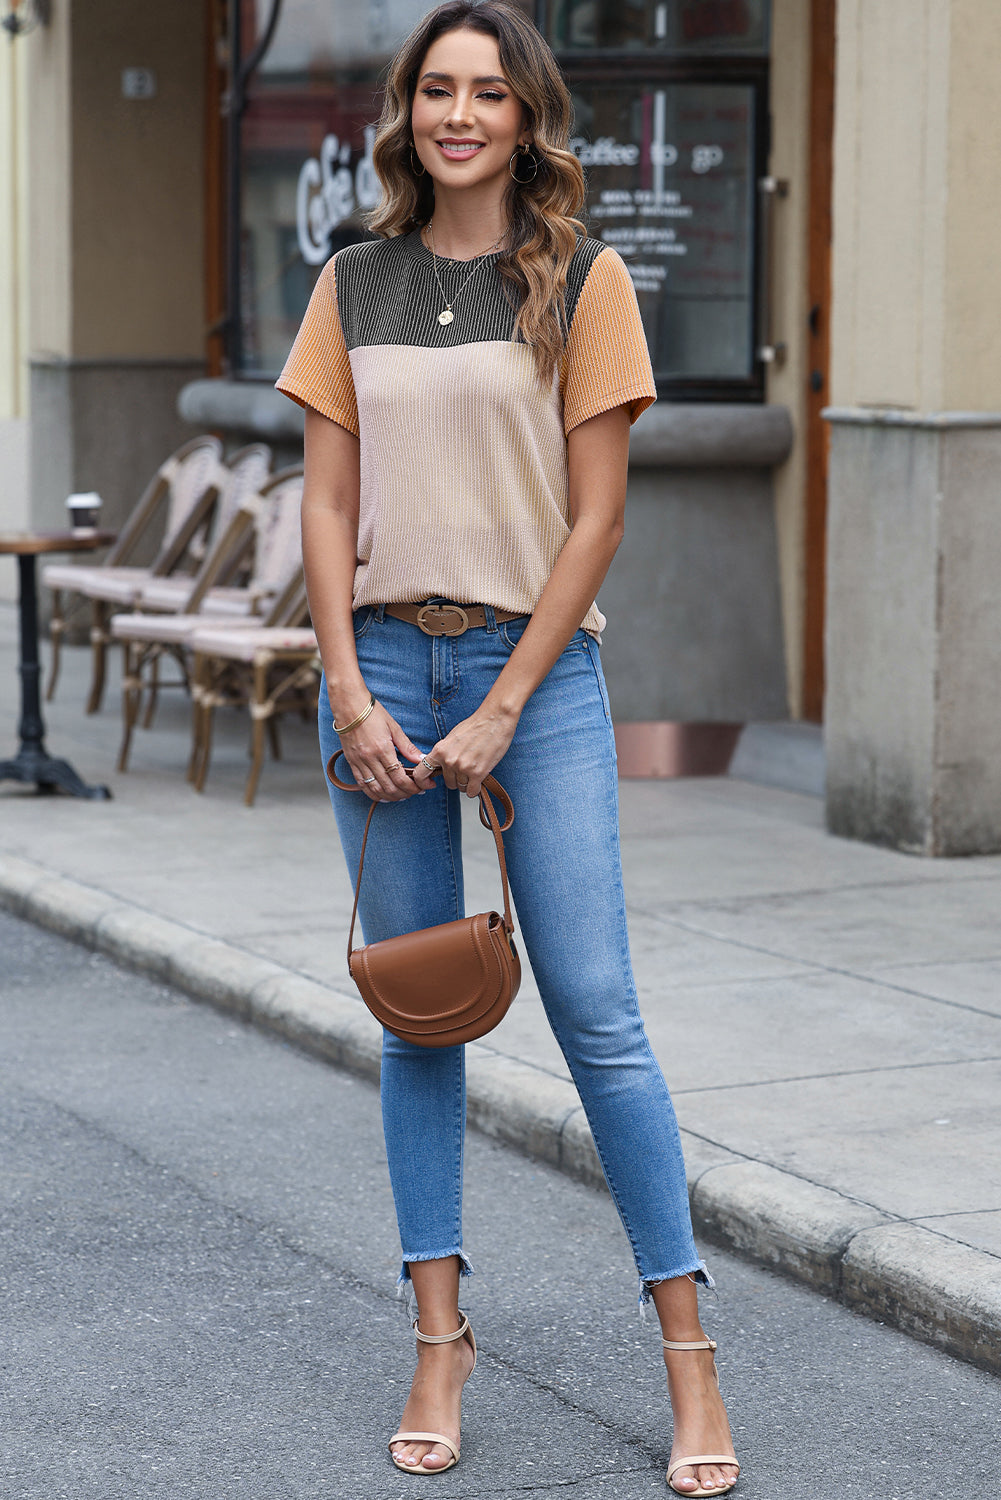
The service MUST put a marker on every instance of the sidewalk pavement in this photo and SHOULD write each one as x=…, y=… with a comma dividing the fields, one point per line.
x=828, y=1015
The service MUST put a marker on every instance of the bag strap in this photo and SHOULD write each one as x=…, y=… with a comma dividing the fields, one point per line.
x=488, y=817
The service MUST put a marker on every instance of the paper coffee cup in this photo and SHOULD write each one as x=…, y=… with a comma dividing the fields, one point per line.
x=84, y=510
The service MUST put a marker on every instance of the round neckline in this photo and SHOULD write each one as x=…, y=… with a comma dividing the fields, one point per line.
x=422, y=251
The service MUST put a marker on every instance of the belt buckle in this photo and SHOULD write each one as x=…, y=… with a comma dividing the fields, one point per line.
x=443, y=609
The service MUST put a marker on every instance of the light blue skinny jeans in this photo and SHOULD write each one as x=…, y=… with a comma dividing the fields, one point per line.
x=566, y=879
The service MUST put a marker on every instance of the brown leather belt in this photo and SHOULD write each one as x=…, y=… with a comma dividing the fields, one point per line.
x=448, y=619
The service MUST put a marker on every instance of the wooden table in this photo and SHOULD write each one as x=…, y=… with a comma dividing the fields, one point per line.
x=32, y=762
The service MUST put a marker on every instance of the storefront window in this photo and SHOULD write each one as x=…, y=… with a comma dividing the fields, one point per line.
x=671, y=186
x=695, y=26
x=306, y=171
x=670, y=118
x=670, y=111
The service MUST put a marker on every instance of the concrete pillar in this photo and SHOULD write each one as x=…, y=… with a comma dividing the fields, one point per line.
x=116, y=188
x=913, y=712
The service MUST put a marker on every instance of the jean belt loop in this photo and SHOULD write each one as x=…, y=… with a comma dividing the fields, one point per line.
x=380, y=614
x=490, y=619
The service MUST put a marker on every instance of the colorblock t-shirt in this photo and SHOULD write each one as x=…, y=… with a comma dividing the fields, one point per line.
x=464, y=485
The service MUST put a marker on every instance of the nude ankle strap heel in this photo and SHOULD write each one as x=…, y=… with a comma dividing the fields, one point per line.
x=693, y=1344
x=700, y=1458
x=464, y=1331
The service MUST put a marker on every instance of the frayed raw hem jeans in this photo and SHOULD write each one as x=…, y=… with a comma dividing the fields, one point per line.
x=566, y=880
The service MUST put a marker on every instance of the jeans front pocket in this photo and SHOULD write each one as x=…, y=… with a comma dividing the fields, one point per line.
x=362, y=620
x=511, y=632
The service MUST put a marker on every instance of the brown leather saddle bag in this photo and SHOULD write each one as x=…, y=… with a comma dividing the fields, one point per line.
x=444, y=985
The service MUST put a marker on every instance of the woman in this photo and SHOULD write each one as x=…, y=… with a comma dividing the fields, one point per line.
x=469, y=381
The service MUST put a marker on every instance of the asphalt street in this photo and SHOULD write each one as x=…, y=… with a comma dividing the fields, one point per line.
x=197, y=1298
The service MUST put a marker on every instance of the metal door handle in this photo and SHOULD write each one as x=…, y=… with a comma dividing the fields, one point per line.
x=771, y=351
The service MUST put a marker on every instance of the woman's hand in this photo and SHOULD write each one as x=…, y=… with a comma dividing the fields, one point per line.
x=471, y=750
x=373, y=752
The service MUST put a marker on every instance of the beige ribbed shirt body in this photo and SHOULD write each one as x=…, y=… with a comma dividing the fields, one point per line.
x=463, y=451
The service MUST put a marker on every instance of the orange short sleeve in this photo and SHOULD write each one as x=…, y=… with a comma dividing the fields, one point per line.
x=317, y=372
x=606, y=362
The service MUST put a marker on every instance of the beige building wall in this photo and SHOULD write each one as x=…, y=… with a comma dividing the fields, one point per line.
x=917, y=205
x=13, y=231
x=913, y=725
x=117, y=212
x=971, y=337
x=137, y=166
x=790, y=159
x=47, y=58
x=117, y=322
x=14, y=263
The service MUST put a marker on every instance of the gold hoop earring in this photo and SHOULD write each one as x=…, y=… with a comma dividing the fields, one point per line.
x=524, y=152
x=413, y=168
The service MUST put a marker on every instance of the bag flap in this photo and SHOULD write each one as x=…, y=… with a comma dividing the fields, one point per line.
x=436, y=975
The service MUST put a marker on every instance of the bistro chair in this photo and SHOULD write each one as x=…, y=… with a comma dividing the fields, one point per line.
x=244, y=475
x=273, y=669
x=266, y=525
x=247, y=474
x=182, y=491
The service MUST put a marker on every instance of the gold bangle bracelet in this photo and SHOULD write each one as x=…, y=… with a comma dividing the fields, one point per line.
x=343, y=728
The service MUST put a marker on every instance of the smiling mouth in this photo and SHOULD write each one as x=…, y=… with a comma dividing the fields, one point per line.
x=459, y=150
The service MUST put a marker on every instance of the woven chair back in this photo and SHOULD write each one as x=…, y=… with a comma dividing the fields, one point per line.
x=247, y=472
x=278, y=541
x=189, y=472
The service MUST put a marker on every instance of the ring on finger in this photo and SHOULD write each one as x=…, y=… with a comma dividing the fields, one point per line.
x=390, y=769
x=429, y=765
x=366, y=779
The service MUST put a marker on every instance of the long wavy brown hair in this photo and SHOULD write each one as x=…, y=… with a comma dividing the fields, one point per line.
x=543, y=226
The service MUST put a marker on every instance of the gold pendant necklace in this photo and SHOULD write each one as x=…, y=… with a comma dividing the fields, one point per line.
x=446, y=315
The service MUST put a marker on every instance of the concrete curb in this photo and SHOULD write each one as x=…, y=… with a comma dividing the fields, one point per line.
x=934, y=1288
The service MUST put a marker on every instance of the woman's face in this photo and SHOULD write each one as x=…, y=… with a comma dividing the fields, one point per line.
x=466, y=119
